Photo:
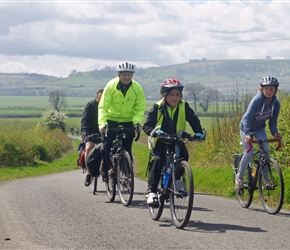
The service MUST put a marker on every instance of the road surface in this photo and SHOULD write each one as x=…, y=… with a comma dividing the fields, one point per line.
x=58, y=212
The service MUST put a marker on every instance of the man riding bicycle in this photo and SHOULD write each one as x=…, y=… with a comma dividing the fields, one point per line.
x=89, y=125
x=123, y=103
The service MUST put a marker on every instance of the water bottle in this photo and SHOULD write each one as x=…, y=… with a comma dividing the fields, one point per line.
x=254, y=168
x=166, y=176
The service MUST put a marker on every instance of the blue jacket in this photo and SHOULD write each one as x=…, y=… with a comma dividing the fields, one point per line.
x=258, y=113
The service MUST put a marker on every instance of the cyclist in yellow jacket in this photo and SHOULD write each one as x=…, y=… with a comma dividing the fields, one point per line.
x=171, y=113
x=123, y=103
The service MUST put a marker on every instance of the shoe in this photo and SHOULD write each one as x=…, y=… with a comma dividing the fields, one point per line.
x=147, y=193
x=238, y=183
x=88, y=180
x=267, y=183
x=152, y=198
x=180, y=186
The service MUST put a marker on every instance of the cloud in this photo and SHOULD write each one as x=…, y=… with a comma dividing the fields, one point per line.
x=58, y=37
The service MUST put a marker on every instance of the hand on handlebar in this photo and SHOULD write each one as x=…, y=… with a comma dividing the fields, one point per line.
x=103, y=129
x=159, y=132
x=199, y=136
x=138, y=128
x=249, y=138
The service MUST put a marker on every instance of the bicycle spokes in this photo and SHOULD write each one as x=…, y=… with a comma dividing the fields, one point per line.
x=271, y=187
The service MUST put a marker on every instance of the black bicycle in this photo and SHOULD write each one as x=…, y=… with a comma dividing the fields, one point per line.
x=122, y=174
x=94, y=159
x=264, y=174
x=176, y=184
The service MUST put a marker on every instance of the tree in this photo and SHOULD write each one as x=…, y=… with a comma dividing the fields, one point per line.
x=57, y=99
x=54, y=119
x=193, y=90
x=208, y=95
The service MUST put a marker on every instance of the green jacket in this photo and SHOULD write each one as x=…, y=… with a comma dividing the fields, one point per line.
x=114, y=106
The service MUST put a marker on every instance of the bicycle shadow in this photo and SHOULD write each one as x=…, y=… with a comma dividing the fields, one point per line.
x=262, y=210
x=199, y=226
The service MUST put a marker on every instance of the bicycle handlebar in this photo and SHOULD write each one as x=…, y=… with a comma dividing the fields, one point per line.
x=181, y=135
x=267, y=140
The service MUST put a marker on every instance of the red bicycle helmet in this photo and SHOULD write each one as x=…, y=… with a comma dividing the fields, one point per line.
x=170, y=84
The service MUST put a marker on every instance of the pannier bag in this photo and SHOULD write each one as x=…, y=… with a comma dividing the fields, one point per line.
x=94, y=160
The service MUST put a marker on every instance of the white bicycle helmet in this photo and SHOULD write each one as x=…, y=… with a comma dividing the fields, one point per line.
x=269, y=81
x=126, y=67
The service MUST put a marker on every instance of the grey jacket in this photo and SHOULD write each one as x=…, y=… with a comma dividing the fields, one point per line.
x=258, y=113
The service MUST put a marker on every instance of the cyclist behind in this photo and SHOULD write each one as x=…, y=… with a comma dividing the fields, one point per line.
x=82, y=144
x=171, y=113
x=123, y=103
x=89, y=125
x=264, y=106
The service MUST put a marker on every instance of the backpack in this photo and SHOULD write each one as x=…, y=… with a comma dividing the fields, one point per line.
x=94, y=160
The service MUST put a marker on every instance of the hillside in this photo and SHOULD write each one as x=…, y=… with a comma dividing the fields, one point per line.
x=224, y=75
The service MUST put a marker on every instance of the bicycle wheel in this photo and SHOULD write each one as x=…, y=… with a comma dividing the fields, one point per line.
x=95, y=184
x=181, y=201
x=272, y=194
x=125, y=178
x=110, y=185
x=156, y=210
x=245, y=195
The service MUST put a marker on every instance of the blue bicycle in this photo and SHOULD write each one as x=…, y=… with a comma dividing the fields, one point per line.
x=176, y=184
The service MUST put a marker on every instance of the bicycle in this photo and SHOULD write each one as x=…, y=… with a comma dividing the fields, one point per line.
x=94, y=159
x=257, y=176
x=177, y=188
x=122, y=174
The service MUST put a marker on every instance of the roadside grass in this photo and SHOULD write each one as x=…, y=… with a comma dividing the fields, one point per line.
x=63, y=164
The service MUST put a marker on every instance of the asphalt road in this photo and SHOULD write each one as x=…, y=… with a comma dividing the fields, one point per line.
x=58, y=212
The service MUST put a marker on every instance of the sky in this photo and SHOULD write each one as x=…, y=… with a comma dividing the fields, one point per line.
x=57, y=37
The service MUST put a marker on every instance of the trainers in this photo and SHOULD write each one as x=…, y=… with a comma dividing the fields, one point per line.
x=238, y=183
x=152, y=197
x=267, y=182
x=88, y=180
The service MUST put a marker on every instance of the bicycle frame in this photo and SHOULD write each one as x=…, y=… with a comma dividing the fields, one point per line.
x=179, y=189
x=263, y=159
x=172, y=160
x=267, y=178
x=123, y=173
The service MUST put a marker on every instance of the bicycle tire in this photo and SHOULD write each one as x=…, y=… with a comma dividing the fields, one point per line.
x=125, y=178
x=272, y=197
x=95, y=185
x=181, y=202
x=245, y=195
x=110, y=185
x=156, y=211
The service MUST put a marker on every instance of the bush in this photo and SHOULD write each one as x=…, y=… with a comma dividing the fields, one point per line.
x=22, y=147
x=54, y=119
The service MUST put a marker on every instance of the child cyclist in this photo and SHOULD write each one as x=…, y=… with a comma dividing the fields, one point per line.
x=264, y=106
x=171, y=113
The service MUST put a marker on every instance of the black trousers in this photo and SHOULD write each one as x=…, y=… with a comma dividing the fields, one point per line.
x=111, y=136
x=159, y=159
